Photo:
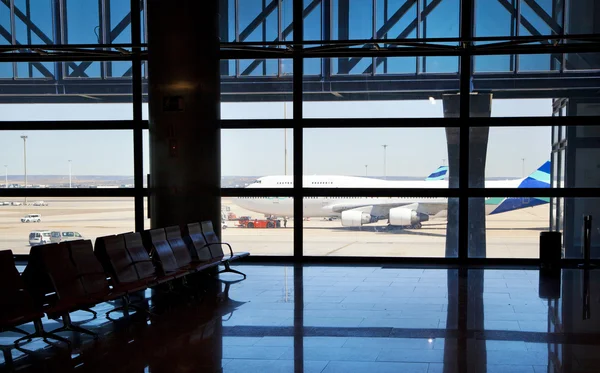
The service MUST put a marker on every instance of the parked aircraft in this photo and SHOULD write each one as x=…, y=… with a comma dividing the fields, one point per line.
x=408, y=212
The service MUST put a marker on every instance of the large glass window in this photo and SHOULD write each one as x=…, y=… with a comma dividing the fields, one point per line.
x=378, y=111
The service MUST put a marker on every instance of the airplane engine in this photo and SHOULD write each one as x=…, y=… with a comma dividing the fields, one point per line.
x=405, y=217
x=355, y=218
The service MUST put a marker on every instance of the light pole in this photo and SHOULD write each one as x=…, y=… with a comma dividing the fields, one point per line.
x=69, y=174
x=6, y=176
x=384, y=162
x=523, y=168
x=366, y=170
x=25, y=160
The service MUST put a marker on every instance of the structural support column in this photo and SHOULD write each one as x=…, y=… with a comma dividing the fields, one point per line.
x=184, y=103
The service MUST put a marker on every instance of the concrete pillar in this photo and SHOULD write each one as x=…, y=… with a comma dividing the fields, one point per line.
x=184, y=105
x=481, y=106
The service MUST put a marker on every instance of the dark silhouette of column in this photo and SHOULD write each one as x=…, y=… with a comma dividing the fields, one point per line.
x=184, y=103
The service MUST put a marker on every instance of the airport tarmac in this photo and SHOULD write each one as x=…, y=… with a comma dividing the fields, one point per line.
x=509, y=235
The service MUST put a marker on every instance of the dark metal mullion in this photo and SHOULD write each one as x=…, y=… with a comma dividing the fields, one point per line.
x=279, y=34
x=29, y=41
x=236, y=19
x=326, y=33
x=63, y=27
x=552, y=59
x=105, y=36
x=564, y=27
x=513, y=26
x=298, y=69
x=374, y=34
x=385, y=35
x=138, y=144
x=465, y=109
x=264, y=33
x=517, y=33
x=422, y=23
x=13, y=34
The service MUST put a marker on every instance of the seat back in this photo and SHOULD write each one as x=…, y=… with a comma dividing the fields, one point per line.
x=115, y=259
x=180, y=249
x=211, y=237
x=196, y=242
x=91, y=272
x=157, y=240
x=62, y=272
x=14, y=299
x=139, y=255
x=10, y=278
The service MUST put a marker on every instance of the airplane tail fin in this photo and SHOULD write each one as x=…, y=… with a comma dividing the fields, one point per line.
x=438, y=174
x=540, y=178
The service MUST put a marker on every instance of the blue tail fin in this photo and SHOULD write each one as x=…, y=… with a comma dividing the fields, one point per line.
x=540, y=178
x=438, y=174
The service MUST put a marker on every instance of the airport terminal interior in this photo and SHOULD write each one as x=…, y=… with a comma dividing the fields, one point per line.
x=300, y=186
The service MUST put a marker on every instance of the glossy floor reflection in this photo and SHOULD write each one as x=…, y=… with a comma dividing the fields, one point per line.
x=349, y=319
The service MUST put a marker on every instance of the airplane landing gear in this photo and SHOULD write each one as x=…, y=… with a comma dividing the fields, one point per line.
x=416, y=226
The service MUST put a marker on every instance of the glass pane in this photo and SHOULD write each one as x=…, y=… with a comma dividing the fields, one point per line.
x=403, y=94
x=527, y=165
x=83, y=22
x=368, y=158
x=94, y=159
x=33, y=21
x=380, y=227
x=507, y=227
x=394, y=19
x=259, y=225
x=245, y=97
x=257, y=158
x=31, y=221
x=492, y=18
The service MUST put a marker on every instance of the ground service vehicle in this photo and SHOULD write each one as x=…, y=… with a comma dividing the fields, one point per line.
x=31, y=218
x=259, y=223
x=39, y=238
x=57, y=236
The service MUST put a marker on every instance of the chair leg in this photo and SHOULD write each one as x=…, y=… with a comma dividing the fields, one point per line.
x=128, y=305
x=69, y=326
x=229, y=269
x=41, y=333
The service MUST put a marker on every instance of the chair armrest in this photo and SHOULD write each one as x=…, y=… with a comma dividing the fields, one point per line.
x=222, y=243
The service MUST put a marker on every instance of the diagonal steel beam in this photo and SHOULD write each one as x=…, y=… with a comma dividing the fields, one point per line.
x=23, y=17
x=556, y=28
x=286, y=32
x=260, y=18
x=525, y=22
x=387, y=26
x=38, y=32
x=122, y=25
x=39, y=66
x=407, y=30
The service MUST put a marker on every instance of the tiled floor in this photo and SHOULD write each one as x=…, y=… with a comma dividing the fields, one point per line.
x=350, y=319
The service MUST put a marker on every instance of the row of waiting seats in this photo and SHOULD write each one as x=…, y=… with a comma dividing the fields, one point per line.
x=64, y=277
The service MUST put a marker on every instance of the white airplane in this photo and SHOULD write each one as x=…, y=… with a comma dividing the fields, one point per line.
x=407, y=212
